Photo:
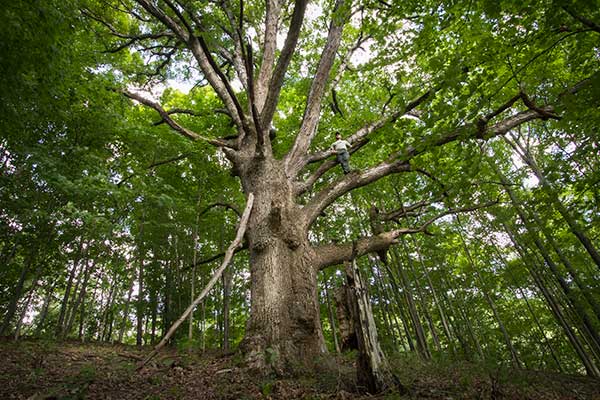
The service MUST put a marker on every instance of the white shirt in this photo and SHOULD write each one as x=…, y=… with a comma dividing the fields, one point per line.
x=340, y=145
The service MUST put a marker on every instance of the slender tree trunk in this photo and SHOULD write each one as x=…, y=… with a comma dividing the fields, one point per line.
x=382, y=295
x=507, y=340
x=565, y=286
x=45, y=307
x=34, y=285
x=193, y=278
x=83, y=312
x=422, y=299
x=540, y=330
x=126, y=309
x=466, y=321
x=399, y=306
x=79, y=301
x=140, y=300
x=108, y=309
x=65, y=300
x=454, y=322
x=14, y=300
x=585, y=290
x=436, y=301
x=422, y=346
x=226, y=260
x=331, y=319
x=154, y=308
x=227, y=279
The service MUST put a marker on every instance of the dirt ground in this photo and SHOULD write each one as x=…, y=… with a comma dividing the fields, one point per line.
x=36, y=370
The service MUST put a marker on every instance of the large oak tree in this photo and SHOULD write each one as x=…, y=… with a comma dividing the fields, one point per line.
x=428, y=75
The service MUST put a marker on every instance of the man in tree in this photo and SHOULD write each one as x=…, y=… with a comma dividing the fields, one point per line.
x=341, y=148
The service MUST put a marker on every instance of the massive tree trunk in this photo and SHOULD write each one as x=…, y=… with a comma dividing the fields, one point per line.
x=284, y=329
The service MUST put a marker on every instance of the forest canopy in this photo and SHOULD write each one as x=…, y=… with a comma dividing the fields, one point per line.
x=134, y=131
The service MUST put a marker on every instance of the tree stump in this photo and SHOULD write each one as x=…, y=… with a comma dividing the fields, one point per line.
x=373, y=371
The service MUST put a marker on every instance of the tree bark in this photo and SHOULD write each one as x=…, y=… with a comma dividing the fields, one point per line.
x=284, y=329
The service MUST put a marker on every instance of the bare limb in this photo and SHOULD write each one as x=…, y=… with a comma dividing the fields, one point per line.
x=200, y=51
x=228, y=255
x=268, y=57
x=165, y=19
x=238, y=43
x=283, y=62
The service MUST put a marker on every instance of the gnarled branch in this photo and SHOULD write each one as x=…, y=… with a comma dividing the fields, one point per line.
x=334, y=254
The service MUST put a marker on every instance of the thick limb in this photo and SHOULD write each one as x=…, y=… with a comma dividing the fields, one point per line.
x=310, y=120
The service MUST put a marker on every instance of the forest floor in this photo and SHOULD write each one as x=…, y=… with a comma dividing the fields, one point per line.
x=36, y=370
